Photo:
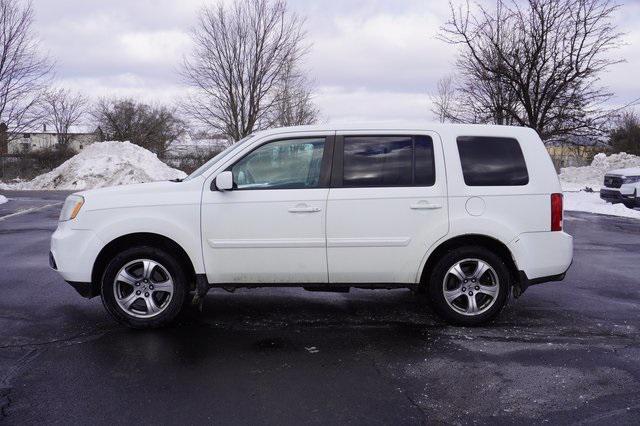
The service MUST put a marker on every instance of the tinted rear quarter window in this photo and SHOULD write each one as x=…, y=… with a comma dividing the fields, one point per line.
x=425, y=167
x=492, y=161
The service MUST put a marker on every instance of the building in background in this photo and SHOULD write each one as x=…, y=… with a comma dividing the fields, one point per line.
x=576, y=152
x=43, y=138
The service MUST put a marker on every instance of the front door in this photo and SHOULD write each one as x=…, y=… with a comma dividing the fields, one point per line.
x=271, y=227
x=387, y=206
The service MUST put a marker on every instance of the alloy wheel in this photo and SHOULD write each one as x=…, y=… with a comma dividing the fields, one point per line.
x=471, y=287
x=143, y=288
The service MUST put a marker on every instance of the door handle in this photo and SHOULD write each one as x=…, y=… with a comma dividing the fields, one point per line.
x=424, y=205
x=303, y=208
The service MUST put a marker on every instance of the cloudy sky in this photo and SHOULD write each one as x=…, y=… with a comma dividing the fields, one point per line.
x=370, y=59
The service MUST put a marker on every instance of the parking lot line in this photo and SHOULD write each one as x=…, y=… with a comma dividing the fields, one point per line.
x=33, y=209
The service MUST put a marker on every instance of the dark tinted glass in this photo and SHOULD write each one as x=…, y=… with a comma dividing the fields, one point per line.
x=490, y=161
x=425, y=171
x=387, y=161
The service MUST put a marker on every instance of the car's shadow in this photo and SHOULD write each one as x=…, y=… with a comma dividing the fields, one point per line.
x=264, y=316
x=287, y=307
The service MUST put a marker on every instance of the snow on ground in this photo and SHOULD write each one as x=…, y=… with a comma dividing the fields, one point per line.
x=103, y=164
x=592, y=176
x=590, y=202
x=575, y=179
x=3, y=199
x=11, y=185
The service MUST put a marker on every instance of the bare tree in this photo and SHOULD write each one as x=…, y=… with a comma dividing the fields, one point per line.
x=536, y=63
x=293, y=104
x=63, y=109
x=240, y=57
x=152, y=127
x=625, y=136
x=443, y=102
x=23, y=71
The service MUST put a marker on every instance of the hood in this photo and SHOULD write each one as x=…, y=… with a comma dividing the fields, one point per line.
x=137, y=188
x=632, y=171
x=143, y=195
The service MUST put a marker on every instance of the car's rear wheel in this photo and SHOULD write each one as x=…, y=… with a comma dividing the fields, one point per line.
x=469, y=285
x=143, y=287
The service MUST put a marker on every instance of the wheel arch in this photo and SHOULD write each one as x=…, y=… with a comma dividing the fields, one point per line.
x=488, y=242
x=142, y=239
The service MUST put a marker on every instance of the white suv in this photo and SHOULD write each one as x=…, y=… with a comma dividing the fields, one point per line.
x=464, y=213
x=622, y=186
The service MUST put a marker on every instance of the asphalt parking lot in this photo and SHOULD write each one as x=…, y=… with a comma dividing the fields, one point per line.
x=565, y=352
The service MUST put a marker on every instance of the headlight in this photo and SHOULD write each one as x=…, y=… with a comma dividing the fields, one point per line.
x=71, y=207
x=631, y=179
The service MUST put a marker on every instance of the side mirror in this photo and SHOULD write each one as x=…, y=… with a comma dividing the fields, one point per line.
x=224, y=181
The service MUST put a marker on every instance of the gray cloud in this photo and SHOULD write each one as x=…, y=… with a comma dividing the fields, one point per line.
x=370, y=59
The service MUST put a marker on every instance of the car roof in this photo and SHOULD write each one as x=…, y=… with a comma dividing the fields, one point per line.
x=395, y=125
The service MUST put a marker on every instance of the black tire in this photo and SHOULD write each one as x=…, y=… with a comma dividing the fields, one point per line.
x=167, y=261
x=632, y=204
x=436, y=285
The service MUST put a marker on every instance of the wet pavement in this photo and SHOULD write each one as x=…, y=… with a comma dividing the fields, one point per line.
x=565, y=352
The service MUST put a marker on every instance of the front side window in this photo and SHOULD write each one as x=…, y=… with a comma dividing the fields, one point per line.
x=492, y=161
x=284, y=164
x=379, y=161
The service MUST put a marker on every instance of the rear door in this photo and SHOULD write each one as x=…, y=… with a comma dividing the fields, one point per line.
x=387, y=205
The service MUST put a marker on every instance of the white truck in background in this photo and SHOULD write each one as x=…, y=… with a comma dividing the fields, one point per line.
x=622, y=186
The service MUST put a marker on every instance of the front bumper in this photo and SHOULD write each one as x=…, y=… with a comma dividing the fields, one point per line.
x=73, y=253
x=614, y=195
x=87, y=290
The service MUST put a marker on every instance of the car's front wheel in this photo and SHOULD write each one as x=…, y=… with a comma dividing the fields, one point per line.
x=469, y=285
x=143, y=287
x=631, y=204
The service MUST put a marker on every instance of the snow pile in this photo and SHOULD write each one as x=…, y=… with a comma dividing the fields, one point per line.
x=577, y=178
x=3, y=199
x=104, y=164
x=590, y=202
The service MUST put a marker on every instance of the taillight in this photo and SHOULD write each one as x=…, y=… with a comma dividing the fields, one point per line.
x=556, y=212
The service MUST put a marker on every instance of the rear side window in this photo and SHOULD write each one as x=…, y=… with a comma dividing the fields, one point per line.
x=491, y=161
x=378, y=161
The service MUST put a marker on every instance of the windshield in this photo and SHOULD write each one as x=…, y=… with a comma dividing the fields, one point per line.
x=200, y=170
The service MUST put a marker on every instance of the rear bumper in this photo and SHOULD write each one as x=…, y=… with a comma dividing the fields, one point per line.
x=542, y=256
x=87, y=290
x=525, y=282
